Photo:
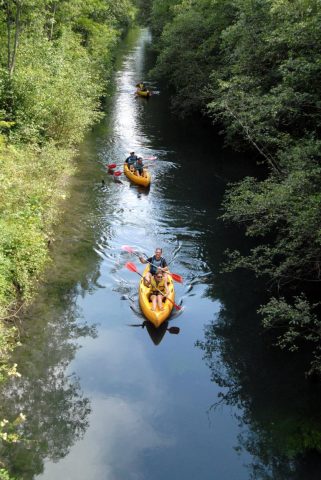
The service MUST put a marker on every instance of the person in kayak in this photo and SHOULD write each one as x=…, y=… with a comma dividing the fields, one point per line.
x=141, y=86
x=155, y=262
x=139, y=167
x=159, y=290
x=131, y=160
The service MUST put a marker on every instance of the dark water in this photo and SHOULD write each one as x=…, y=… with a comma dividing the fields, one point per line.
x=102, y=400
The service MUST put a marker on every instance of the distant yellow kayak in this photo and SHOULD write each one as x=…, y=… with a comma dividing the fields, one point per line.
x=143, y=181
x=157, y=317
x=143, y=93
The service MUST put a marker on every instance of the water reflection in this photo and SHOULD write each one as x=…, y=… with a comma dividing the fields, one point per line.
x=50, y=396
x=157, y=334
x=279, y=409
x=124, y=411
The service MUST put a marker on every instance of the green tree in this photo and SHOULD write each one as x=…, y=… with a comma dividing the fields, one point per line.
x=253, y=67
x=189, y=47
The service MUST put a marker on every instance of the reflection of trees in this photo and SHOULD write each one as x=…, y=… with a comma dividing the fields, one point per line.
x=280, y=417
x=52, y=400
x=56, y=418
x=279, y=409
x=56, y=410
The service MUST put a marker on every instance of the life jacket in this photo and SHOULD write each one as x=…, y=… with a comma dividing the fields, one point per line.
x=138, y=166
x=157, y=286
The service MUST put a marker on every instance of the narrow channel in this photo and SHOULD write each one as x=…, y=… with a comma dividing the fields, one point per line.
x=106, y=400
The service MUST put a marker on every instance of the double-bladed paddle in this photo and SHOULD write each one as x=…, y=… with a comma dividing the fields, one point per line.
x=111, y=167
x=175, y=276
x=132, y=267
x=114, y=165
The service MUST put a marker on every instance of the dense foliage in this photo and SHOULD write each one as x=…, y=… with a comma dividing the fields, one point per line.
x=254, y=67
x=55, y=62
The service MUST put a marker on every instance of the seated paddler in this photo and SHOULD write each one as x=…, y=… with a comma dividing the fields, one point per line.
x=142, y=86
x=157, y=261
x=159, y=290
x=139, y=167
x=131, y=160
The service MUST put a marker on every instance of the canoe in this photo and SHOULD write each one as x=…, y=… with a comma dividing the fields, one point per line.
x=157, y=317
x=143, y=181
x=143, y=93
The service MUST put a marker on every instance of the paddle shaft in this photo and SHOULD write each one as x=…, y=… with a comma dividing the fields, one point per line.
x=111, y=166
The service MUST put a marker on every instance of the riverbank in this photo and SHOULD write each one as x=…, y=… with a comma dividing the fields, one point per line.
x=56, y=62
x=50, y=97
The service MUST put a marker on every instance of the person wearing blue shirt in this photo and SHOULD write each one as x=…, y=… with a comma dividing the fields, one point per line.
x=155, y=262
x=131, y=160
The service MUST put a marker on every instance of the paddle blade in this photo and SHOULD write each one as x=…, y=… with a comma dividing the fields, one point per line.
x=138, y=325
x=174, y=330
x=131, y=266
x=177, y=278
x=127, y=248
x=111, y=166
x=117, y=174
x=150, y=158
x=178, y=307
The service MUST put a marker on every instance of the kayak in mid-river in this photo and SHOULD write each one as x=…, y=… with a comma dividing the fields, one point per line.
x=143, y=93
x=139, y=180
x=156, y=317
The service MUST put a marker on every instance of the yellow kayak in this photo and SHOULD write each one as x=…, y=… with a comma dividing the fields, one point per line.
x=143, y=93
x=143, y=181
x=157, y=317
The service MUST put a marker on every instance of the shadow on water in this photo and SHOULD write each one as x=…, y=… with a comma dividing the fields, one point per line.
x=279, y=411
x=157, y=334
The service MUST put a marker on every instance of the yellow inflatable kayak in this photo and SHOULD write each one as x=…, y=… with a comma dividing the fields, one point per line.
x=157, y=317
x=143, y=93
x=143, y=181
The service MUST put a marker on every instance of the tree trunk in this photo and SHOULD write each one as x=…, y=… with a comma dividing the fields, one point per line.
x=16, y=39
x=8, y=35
x=52, y=21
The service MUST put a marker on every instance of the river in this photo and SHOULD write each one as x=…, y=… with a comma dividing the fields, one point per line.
x=109, y=401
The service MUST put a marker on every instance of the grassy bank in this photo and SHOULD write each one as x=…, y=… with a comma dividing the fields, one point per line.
x=55, y=63
x=56, y=60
